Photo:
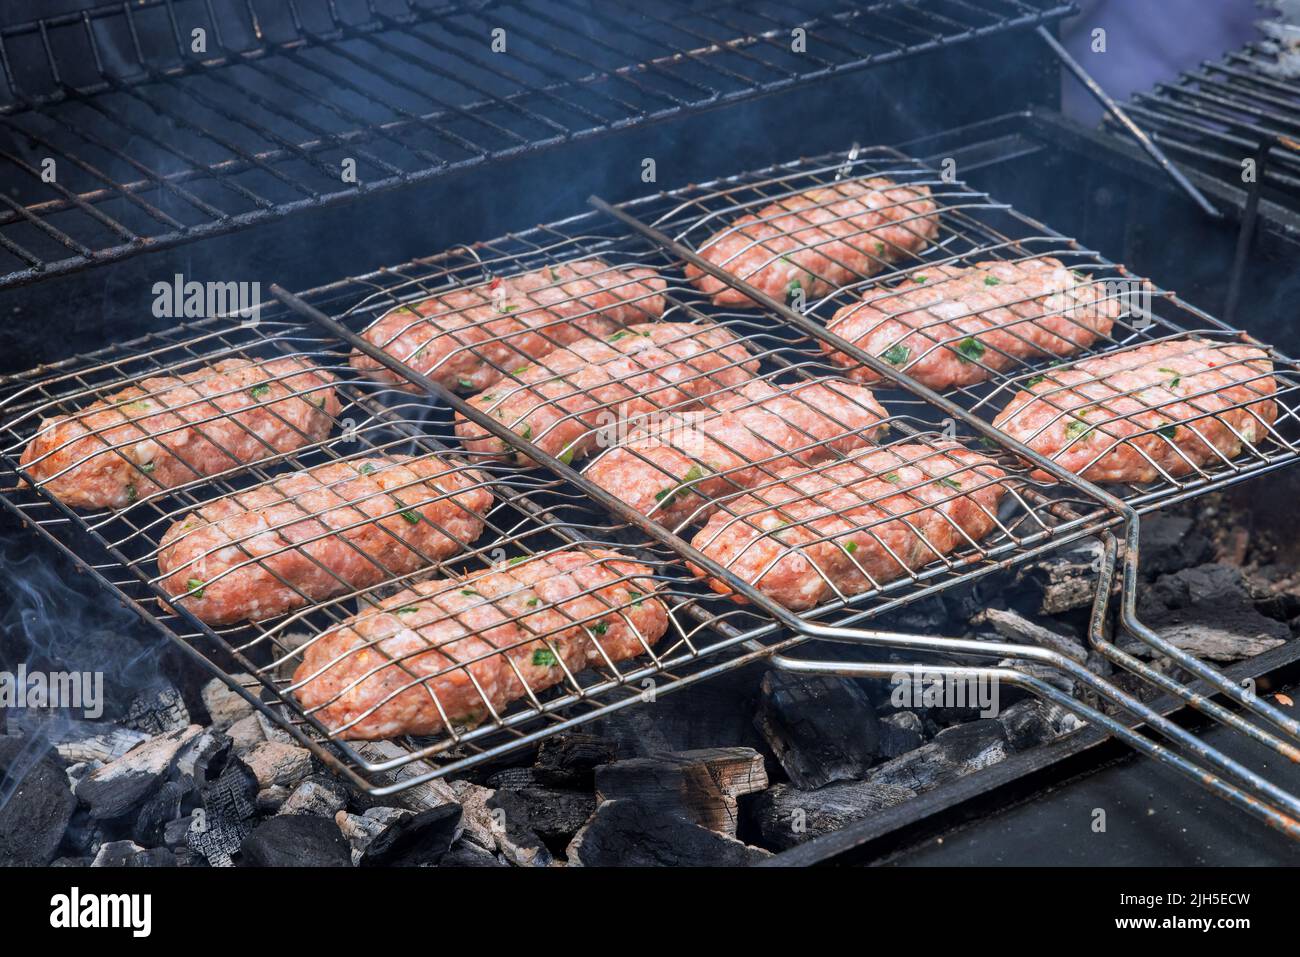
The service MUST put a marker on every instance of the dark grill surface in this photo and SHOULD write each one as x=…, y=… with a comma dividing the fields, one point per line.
x=155, y=143
x=1223, y=113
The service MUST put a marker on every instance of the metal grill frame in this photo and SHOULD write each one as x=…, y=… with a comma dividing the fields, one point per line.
x=1108, y=513
x=233, y=170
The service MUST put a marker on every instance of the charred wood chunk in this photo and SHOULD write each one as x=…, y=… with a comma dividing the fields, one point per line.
x=1170, y=543
x=570, y=760
x=414, y=840
x=157, y=711
x=512, y=778
x=786, y=816
x=1015, y=627
x=491, y=825
x=37, y=812
x=225, y=705
x=701, y=785
x=164, y=806
x=900, y=732
x=467, y=854
x=227, y=816
x=298, y=841
x=627, y=834
x=130, y=854
x=1208, y=611
x=275, y=764
x=1064, y=580
x=821, y=728
x=86, y=741
x=320, y=795
x=953, y=753
x=1028, y=724
x=123, y=785
x=550, y=813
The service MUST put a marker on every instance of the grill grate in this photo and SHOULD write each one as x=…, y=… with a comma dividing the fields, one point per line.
x=539, y=511
x=1239, y=108
x=156, y=144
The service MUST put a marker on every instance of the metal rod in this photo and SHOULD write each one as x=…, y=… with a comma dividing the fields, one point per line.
x=1115, y=110
x=1246, y=232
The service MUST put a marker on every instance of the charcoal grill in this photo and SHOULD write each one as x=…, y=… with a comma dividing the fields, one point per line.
x=237, y=171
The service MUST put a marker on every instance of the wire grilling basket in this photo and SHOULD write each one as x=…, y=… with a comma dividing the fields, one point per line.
x=546, y=505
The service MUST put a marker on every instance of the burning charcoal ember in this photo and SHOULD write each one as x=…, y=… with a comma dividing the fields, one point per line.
x=319, y=795
x=130, y=854
x=1028, y=724
x=227, y=814
x=701, y=786
x=551, y=814
x=361, y=829
x=163, y=806
x=785, y=816
x=301, y=841
x=1044, y=673
x=157, y=711
x=226, y=706
x=273, y=732
x=90, y=741
x=627, y=834
x=72, y=862
x=570, y=760
x=1170, y=543
x=508, y=833
x=414, y=840
x=122, y=785
x=275, y=764
x=1015, y=627
x=899, y=733
x=954, y=752
x=246, y=734
x=1207, y=611
x=821, y=728
x=1065, y=579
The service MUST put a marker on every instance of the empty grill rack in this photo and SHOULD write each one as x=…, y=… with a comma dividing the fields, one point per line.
x=163, y=122
x=541, y=510
x=1241, y=110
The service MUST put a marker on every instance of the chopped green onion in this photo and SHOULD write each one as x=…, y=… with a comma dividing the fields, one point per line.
x=891, y=477
x=880, y=249
x=1177, y=377
x=599, y=628
x=555, y=276
x=542, y=658
x=970, y=349
x=950, y=482
x=521, y=370
x=619, y=335
x=195, y=587
x=793, y=285
x=1076, y=429
x=465, y=383
x=143, y=405
x=694, y=474
x=410, y=516
x=1169, y=431
x=131, y=493
x=896, y=354
x=517, y=559
x=148, y=467
x=566, y=456
x=851, y=547
x=1034, y=380
x=366, y=468
x=470, y=593
x=258, y=391
x=918, y=278
x=506, y=309
x=636, y=597
x=533, y=602
x=992, y=281
x=527, y=432
x=406, y=610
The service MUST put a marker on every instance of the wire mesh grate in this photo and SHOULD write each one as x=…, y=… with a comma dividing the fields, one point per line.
x=538, y=514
